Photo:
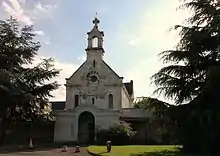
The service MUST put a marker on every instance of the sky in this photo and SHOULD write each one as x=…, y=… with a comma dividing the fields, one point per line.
x=135, y=33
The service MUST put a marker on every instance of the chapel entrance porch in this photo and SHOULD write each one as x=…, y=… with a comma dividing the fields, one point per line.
x=86, y=128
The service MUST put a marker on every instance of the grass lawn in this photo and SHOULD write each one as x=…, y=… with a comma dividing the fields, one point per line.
x=135, y=150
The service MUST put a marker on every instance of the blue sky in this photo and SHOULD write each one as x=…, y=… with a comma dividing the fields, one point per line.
x=135, y=32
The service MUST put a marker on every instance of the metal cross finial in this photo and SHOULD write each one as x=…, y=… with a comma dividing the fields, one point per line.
x=96, y=21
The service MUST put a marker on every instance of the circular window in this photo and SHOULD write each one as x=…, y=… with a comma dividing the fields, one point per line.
x=93, y=78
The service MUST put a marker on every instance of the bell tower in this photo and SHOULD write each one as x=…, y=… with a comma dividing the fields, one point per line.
x=94, y=48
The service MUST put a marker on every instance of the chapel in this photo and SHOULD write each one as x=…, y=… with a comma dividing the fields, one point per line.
x=96, y=98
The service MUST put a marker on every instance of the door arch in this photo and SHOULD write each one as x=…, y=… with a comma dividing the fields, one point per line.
x=86, y=128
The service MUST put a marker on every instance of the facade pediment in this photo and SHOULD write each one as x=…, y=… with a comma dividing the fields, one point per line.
x=86, y=75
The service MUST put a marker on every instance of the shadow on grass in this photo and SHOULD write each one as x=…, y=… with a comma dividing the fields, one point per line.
x=101, y=153
x=162, y=153
x=178, y=152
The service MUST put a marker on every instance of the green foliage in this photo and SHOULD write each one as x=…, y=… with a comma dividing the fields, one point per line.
x=33, y=84
x=193, y=78
x=23, y=89
x=142, y=104
x=195, y=54
x=102, y=136
x=150, y=103
x=119, y=134
x=160, y=116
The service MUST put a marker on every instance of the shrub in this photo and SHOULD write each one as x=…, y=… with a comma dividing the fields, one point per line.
x=119, y=134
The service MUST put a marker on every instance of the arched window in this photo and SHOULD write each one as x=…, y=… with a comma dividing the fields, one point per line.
x=110, y=101
x=76, y=100
x=95, y=42
x=93, y=101
x=94, y=63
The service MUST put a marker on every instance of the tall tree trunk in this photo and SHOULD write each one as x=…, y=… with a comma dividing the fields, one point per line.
x=31, y=135
x=4, y=125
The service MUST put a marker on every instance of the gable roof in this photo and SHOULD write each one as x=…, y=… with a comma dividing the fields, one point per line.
x=76, y=70
x=112, y=70
x=129, y=87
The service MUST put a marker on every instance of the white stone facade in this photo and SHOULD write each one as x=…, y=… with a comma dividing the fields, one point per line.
x=96, y=89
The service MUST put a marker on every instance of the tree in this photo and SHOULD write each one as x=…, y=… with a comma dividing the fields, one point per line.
x=192, y=78
x=157, y=109
x=23, y=89
x=120, y=134
x=159, y=119
x=195, y=54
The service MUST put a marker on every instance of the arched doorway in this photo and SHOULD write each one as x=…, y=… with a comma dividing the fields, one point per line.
x=86, y=128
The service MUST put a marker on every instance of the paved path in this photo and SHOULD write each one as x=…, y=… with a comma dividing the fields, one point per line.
x=51, y=152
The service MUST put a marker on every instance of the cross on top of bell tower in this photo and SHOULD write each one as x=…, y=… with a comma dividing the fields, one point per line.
x=95, y=40
x=96, y=21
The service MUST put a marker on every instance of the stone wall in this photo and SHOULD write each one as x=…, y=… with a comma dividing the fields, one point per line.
x=108, y=82
x=67, y=122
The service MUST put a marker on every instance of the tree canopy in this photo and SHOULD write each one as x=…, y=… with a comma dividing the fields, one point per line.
x=192, y=78
x=24, y=90
x=195, y=54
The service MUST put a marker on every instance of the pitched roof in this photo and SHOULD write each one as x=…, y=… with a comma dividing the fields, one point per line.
x=58, y=105
x=76, y=70
x=129, y=87
x=111, y=69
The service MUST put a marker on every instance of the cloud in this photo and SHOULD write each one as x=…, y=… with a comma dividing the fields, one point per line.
x=150, y=32
x=154, y=25
x=39, y=32
x=14, y=8
x=47, y=42
x=22, y=1
x=82, y=58
x=153, y=33
x=43, y=10
x=142, y=83
x=67, y=70
x=27, y=14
